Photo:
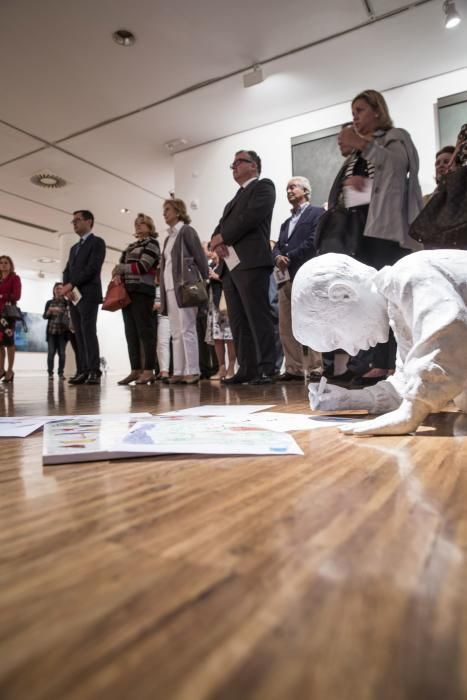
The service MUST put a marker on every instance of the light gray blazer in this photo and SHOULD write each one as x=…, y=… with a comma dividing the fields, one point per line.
x=192, y=248
x=396, y=197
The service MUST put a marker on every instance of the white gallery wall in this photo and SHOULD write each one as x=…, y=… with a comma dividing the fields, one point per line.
x=203, y=177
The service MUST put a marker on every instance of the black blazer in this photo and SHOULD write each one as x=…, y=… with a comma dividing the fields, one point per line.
x=83, y=269
x=246, y=224
x=300, y=246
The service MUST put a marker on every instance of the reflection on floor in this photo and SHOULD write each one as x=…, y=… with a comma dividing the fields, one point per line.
x=337, y=574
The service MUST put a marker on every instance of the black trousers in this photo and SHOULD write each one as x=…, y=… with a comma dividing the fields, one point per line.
x=377, y=253
x=84, y=320
x=250, y=317
x=56, y=344
x=208, y=364
x=140, y=333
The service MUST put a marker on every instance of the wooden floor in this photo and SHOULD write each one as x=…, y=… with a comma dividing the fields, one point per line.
x=338, y=575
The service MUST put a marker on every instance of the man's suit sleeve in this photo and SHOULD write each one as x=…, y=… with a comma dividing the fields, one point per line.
x=93, y=265
x=258, y=207
x=307, y=247
x=276, y=250
x=66, y=272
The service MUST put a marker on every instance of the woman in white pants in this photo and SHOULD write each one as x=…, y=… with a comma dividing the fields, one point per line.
x=182, y=242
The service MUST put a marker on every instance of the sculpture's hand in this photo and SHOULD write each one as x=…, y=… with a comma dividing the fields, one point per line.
x=333, y=397
x=403, y=420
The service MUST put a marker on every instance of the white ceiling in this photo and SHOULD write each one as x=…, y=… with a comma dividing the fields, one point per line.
x=62, y=76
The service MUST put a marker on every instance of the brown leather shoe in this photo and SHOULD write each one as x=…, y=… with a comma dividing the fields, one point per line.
x=191, y=378
x=146, y=377
x=176, y=379
x=134, y=374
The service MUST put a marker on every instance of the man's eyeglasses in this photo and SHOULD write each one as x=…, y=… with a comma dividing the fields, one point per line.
x=237, y=161
x=75, y=221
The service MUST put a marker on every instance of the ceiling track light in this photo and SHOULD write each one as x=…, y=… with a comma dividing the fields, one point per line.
x=253, y=77
x=452, y=17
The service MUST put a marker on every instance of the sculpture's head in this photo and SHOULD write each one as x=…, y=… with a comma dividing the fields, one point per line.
x=336, y=305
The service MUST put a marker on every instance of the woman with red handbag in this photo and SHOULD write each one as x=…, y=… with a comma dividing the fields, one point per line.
x=136, y=270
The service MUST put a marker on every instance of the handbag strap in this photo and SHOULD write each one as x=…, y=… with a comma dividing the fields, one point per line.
x=182, y=240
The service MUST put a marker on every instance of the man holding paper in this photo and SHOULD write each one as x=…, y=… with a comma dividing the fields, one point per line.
x=82, y=286
x=242, y=240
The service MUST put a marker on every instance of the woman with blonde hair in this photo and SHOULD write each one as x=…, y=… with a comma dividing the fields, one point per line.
x=10, y=294
x=182, y=246
x=379, y=185
x=137, y=269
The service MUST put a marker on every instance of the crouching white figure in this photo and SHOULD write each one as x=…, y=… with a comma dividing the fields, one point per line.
x=338, y=302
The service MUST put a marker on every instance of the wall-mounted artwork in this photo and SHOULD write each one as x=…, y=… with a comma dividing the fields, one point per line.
x=317, y=157
x=34, y=340
x=452, y=113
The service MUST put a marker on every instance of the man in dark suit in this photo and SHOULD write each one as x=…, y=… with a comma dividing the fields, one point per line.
x=294, y=247
x=83, y=272
x=245, y=226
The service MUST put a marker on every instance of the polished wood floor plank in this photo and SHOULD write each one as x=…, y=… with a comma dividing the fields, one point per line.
x=341, y=573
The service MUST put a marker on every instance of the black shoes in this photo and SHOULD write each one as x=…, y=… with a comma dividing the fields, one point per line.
x=79, y=378
x=236, y=379
x=252, y=381
x=85, y=378
x=93, y=378
x=262, y=379
x=289, y=377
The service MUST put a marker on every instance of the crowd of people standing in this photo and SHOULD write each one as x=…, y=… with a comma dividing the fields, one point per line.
x=228, y=282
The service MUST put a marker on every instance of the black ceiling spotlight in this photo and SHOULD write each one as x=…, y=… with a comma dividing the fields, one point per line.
x=123, y=37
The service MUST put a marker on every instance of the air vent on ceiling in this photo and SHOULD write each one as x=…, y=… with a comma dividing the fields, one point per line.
x=48, y=181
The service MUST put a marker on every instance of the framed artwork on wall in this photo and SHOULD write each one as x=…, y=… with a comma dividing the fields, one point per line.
x=317, y=157
x=34, y=340
x=452, y=114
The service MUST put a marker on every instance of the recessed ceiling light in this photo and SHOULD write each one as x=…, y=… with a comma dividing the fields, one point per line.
x=46, y=261
x=123, y=37
x=48, y=180
x=124, y=211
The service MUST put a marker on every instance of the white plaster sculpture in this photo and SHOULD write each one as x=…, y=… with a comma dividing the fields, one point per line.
x=338, y=302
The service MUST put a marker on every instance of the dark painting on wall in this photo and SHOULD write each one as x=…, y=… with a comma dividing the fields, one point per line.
x=317, y=157
x=34, y=340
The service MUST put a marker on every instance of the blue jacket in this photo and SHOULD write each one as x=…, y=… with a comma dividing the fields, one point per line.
x=300, y=246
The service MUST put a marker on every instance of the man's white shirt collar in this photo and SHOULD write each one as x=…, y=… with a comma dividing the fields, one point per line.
x=296, y=212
